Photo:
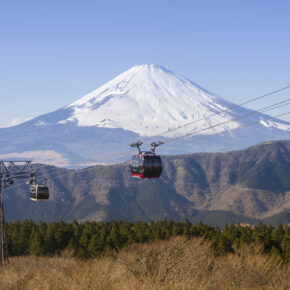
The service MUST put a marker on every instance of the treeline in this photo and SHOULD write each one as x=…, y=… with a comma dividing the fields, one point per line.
x=93, y=239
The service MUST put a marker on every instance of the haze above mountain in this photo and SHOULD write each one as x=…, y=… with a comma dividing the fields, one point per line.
x=146, y=100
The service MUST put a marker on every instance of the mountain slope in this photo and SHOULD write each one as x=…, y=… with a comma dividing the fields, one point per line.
x=150, y=99
x=147, y=100
x=144, y=101
x=228, y=187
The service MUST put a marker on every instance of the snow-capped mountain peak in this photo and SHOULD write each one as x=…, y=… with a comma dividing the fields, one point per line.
x=148, y=99
x=145, y=100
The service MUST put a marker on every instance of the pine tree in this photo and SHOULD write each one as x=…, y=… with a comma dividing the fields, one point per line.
x=285, y=245
x=36, y=244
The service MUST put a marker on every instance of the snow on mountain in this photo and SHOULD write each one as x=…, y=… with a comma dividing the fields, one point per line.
x=148, y=100
x=281, y=126
x=145, y=100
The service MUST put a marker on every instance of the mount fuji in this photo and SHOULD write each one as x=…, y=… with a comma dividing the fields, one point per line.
x=146, y=102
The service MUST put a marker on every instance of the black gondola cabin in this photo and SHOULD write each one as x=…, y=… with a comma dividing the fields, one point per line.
x=39, y=192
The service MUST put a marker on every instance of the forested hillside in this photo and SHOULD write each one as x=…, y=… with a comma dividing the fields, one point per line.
x=238, y=186
x=95, y=239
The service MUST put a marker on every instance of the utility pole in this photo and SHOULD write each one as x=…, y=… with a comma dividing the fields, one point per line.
x=10, y=170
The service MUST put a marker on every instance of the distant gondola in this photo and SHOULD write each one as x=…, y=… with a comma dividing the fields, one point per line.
x=39, y=192
x=146, y=164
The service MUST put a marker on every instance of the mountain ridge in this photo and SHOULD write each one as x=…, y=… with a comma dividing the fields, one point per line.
x=246, y=186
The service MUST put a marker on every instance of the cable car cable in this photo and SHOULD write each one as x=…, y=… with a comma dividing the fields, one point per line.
x=251, y=113
x=244, y=125
x=221, y=111
x=265, y=109
x=209, y=116
x=67, y=171
x=268, y=108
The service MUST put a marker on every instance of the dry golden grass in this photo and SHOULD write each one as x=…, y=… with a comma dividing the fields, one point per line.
x=174, y=264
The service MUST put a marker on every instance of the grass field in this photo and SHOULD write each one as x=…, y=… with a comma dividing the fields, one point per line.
x=174, y=264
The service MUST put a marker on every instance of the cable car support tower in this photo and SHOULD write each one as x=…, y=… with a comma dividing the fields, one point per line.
x=9, y=171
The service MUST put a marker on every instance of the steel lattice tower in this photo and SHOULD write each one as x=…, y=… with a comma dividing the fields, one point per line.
x=3, y=241
x=10, y=170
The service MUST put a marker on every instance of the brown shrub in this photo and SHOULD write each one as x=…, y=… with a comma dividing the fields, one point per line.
x=174, y=264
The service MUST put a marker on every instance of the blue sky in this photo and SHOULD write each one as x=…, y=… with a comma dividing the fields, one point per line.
x=54, y=52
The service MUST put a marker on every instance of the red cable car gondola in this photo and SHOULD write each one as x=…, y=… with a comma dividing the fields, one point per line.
x=146, y=164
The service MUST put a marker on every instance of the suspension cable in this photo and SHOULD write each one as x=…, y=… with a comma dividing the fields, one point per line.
x=221, y=111
x=270, y=117
x=265, y=109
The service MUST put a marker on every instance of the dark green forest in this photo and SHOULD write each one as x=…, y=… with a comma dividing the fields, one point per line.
x=94, y=239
